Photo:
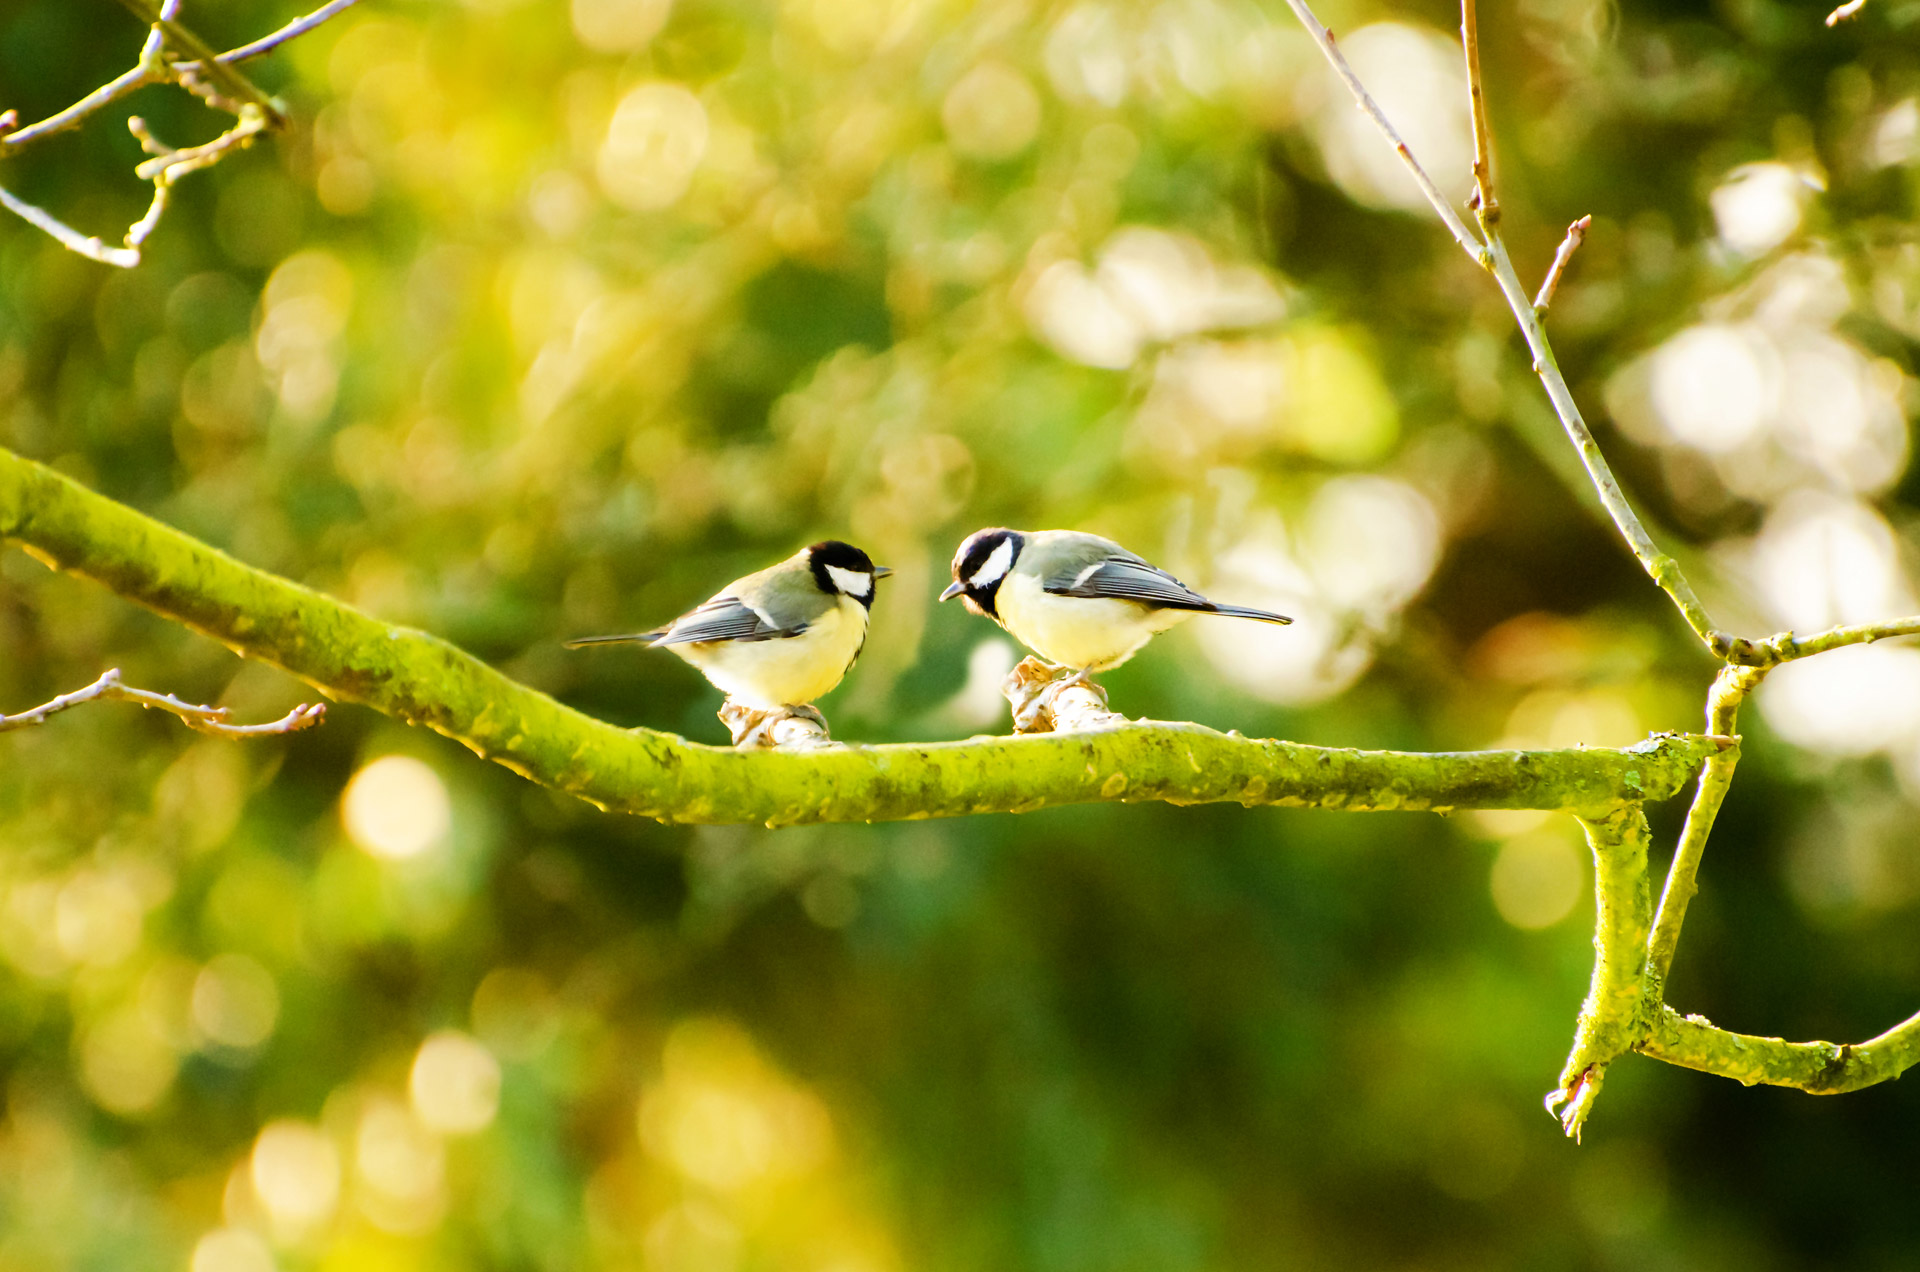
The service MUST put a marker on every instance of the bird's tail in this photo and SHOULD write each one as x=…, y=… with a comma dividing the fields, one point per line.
x=635, y=638
x=1241, y=611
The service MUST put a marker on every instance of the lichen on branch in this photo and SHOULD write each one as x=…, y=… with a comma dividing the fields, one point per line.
x=424, y=680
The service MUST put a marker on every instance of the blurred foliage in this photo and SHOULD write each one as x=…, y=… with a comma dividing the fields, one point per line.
x=548, y=318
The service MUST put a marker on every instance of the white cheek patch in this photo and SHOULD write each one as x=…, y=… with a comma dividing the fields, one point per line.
x=852, y=582
x=995, y=567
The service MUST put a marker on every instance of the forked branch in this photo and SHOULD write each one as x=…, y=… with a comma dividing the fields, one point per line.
x=202, y=72
x=1633, y=956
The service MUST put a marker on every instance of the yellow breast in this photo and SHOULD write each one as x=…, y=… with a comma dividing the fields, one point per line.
x=1077, y=631
x=788, y=671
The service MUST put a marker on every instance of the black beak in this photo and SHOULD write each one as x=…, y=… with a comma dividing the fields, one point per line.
x=881, y=571
x=953, y=589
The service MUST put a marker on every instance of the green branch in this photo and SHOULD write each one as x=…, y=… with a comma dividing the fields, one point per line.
x=424, y=680
x=1730, y=689
x=1611, y=1020
x=1819, y=1068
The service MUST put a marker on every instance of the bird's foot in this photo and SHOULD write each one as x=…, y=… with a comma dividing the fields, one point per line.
x=1048, y=699
x=795, y=727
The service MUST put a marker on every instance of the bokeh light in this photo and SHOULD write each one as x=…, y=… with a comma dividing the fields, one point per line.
x=127, y=1065
x=455, y=1084
x=1419, y=80
x=654, y=144
x=991, y=112
x=396, y=808
x=231, y=1250
x=400, y=1169
x=235, y=1001
x=1759, y=206
x=295, y=1171
x=619, y=26
x=1537, y=878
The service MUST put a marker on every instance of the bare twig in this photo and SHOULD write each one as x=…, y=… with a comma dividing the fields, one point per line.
x=209, y=77
x=1625, y=1009
x=1845, y=11
x=267, y=43
x=74, y=115
x=1786, y=647
x=1486, y=206
x=156, y=38
x=1663, y=569
x=236, y=85
x=1730, y=689
x=68, y=237
x=1469, y=244
x=168, y=164
x=1576, y=234
x=204, y=719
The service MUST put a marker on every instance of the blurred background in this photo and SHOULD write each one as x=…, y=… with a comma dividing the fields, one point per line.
x=547, y=318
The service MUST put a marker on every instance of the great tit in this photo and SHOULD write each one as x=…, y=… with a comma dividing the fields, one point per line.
x=1077, y=600
x=780, y=637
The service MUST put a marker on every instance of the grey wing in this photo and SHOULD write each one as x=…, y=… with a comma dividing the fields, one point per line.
x=724, y=618
x=1123, y=576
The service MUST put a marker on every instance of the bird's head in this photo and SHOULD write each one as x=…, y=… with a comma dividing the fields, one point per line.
x=981, y=565
x=840, y=569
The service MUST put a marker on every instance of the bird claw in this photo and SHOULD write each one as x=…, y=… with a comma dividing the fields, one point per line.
x=796, y=727
x=1048, y=699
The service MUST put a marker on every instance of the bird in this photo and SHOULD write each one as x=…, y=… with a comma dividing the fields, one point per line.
x=1079, y=601
x=779, y=637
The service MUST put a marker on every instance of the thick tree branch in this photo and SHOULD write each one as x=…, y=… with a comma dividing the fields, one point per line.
x=424, y=680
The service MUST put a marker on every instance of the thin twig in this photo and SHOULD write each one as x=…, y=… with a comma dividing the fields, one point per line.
x=1576, y=234
x=155, y=71
x=76, y=114
x=1786, y=647
x=1845, y=11
x=1469, y=244
x=236, y=84
x=1730, y=689
x=68, y=237
x=293, y=29
x=1486, y=206
x=1663, y=569
x=205, y=719
x=156, y=38
x=169, y=164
